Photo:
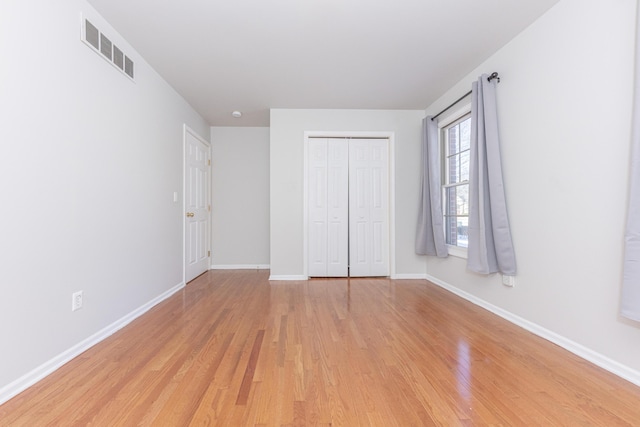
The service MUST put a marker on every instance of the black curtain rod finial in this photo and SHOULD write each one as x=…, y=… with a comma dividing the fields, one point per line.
x=493, y=75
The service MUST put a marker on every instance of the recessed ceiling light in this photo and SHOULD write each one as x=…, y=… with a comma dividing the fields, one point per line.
x=236, y=114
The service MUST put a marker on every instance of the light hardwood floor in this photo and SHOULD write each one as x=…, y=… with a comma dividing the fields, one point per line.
x=232, y=349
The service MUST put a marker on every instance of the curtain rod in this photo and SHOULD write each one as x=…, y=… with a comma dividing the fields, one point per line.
x=493, y=75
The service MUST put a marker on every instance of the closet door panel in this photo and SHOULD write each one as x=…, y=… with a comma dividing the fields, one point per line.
x=369, y=207
x=338, y=208
x=328, y=209
x=317, y=207
x=379, y=209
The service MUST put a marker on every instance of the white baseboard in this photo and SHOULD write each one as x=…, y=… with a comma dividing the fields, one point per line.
x=287, y=277
x=394, y=277
x=239, y=267
x=409, y=277
x=14, y=388
x=586, y=353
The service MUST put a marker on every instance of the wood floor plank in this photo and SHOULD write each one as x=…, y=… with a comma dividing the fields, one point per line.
x=233, y=349
x=247, y=380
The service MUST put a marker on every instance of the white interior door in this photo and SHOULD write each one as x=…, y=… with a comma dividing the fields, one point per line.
x=348, y=207
x=197, y=164
x=368, y=207
x=328, y=207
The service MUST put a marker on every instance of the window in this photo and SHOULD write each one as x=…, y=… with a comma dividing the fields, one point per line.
x=456, y=142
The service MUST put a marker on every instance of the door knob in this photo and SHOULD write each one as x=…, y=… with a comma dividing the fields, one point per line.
x=190, y=214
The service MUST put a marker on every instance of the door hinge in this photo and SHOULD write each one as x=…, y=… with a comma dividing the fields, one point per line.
x=209, y=162
x=209, y=208
x=208, y=253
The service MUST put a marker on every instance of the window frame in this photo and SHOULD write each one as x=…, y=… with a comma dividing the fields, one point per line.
x=447, y=121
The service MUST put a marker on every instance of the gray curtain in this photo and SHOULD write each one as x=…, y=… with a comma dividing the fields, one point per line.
x=490, y=246
x=430, y=232
x=630, y=303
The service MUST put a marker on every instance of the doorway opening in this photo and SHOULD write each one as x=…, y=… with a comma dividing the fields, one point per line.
x=349, y=204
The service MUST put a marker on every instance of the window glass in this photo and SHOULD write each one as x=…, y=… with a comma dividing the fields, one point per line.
x=456, y=153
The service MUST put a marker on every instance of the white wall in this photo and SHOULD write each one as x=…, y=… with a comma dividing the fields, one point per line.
x=89, y=161
x=286, y=179
x=565, y=107
x=240, y=207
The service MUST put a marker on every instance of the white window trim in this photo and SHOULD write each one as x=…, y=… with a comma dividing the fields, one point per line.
x=457, y=251
x=445, y=121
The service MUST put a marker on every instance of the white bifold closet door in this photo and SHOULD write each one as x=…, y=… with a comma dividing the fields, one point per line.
x=348, y=207
x=368, y=207
x=328, y=207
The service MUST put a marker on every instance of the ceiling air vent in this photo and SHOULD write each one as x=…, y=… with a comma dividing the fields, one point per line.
x=92, y=35
x=106, y=47
x=101, y=44
x=128, y=66
x=118, y=58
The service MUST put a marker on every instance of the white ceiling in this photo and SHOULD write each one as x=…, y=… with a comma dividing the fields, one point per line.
x=253, y=55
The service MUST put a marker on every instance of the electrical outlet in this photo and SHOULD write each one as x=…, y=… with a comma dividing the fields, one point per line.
x=76, y=301
x=509, y=281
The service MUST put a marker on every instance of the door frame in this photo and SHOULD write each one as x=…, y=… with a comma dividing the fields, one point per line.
x=187, y=130
x=392, y=189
